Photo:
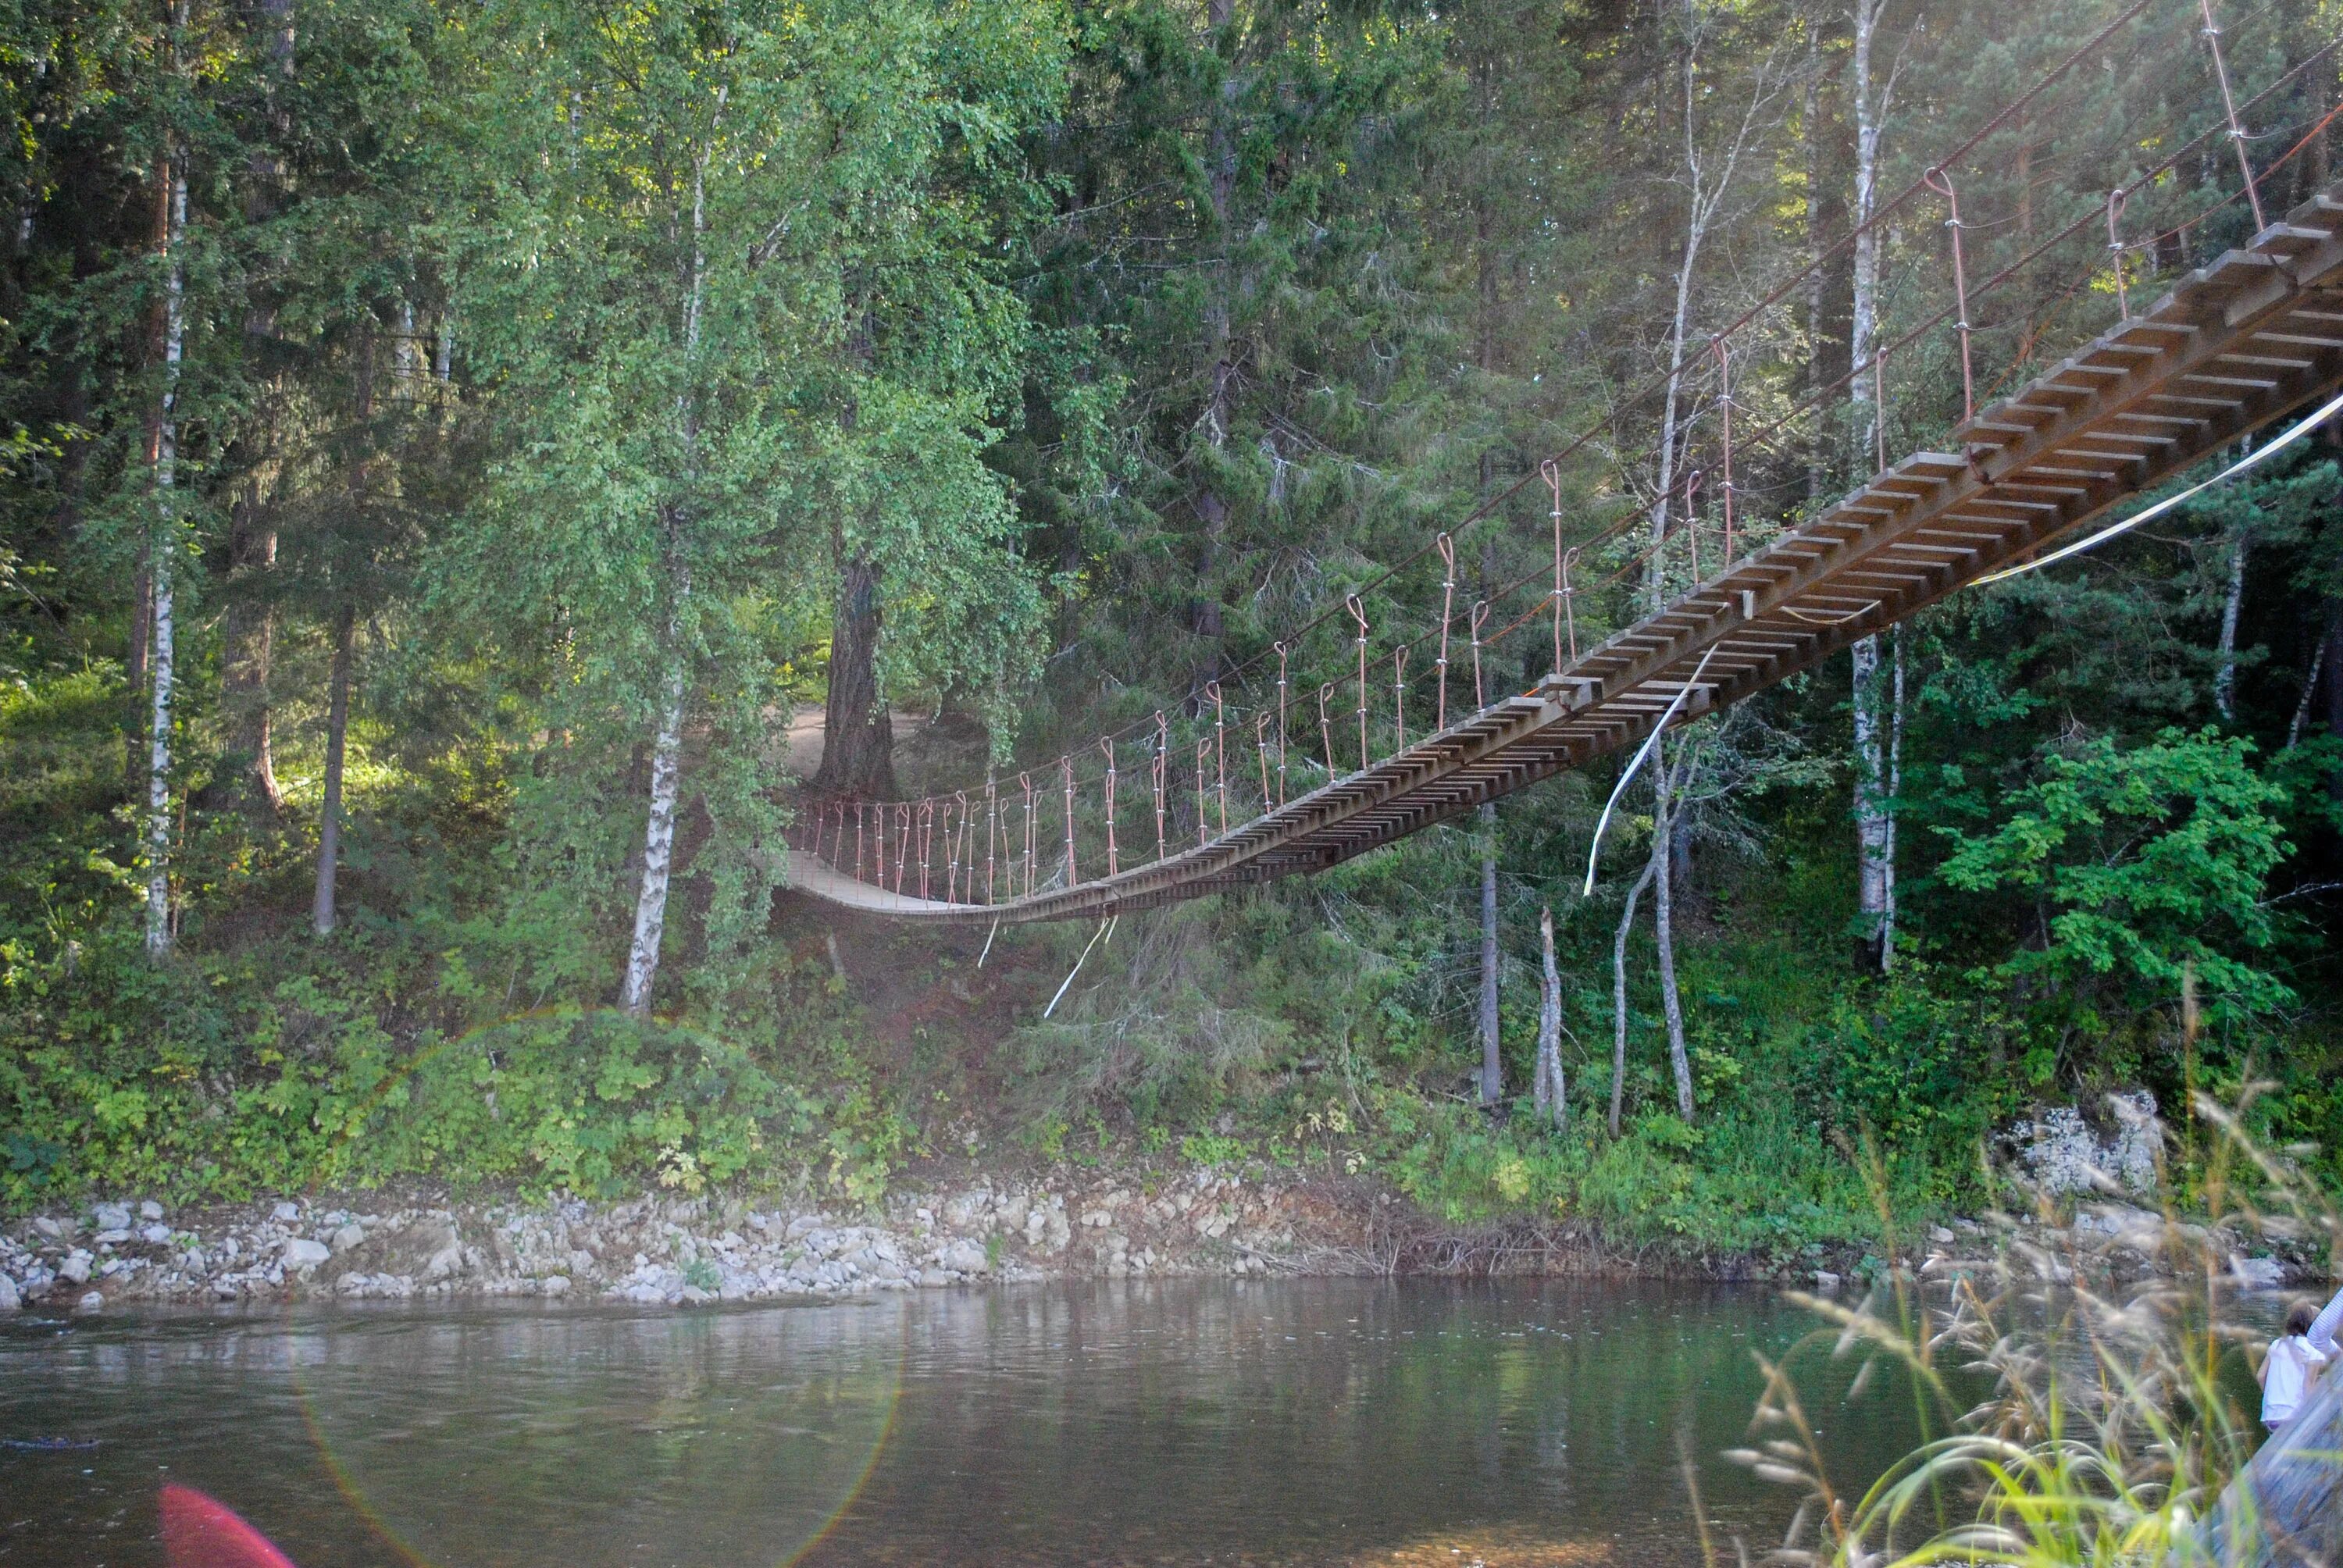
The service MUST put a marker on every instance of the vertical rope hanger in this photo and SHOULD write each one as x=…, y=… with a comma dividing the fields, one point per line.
x=1326, y=727
x=1203, y=816
x=2115, y=200
x=1066, y=772
x=1480, y=617
x=1113, y=864
x=1162, y=761
x=927, y=820
x=1280, y=722
x=1359, y=614
x=1725, y=420
x=2230, y=108
x=968, y=847
x=1220, y=749
x=1026, y=780
x=1942, y=183
x=1447, y=546
x=951, y=881
x=1552, y=472
x=1399, y=695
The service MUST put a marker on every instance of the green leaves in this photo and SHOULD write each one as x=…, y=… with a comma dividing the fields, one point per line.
x=2142, y=862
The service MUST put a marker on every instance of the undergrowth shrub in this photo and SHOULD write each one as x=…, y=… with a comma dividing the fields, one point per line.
x=207, y=1078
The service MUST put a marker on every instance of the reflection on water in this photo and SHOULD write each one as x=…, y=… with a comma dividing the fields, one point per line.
x=1189, y=1422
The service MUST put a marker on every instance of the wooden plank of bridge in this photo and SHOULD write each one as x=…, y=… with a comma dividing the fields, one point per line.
x=2235, y=346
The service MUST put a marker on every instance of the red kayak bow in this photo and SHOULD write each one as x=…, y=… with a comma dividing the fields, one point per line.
x=200, y=1532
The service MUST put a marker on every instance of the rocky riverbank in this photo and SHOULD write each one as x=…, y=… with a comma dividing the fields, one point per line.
x=665, y=1248
x=1151, y=1218
x=679, y=1249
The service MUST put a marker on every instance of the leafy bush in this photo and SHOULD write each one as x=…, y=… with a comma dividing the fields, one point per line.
x=2152, y=860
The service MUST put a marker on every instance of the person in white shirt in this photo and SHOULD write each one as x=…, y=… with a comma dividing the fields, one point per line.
x=2291, y=1368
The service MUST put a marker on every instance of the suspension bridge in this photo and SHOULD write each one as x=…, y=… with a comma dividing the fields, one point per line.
x=2233, y=347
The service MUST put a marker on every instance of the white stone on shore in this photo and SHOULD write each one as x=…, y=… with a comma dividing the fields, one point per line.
x=9, y=1300
x=91, y=1301
x=962, y=1257
x=2257, y=1273
x=300, y=1252
x=150, y=1209
x=75, y=1267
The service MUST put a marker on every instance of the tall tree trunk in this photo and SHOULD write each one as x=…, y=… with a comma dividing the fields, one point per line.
x=142, y=628
x=1874, y=832
x=1810, y=112
x=337, y=730
x=858, y=736
x=1204, y=617
x=1663, y=923
x=1707, y=199
x=1619, y=994
x=1871, y=99
x=658, y=834
x=1874, y=829
x=1894, y=792
x=1553, y=1092
x=1671, y=406
x=2225, y=672
x=1493, y=1063
x=667, y=745
x=161, y=561
x=142, y=592
x=247, y=646
x=248, y=622
x=2335, y=690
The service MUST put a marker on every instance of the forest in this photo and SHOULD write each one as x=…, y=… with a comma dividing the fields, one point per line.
x=477, y=475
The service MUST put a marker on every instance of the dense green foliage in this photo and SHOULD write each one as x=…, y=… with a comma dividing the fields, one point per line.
x=541, y=368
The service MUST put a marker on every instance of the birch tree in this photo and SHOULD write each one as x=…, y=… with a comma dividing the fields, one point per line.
x=1870, y=97
x=162, y=562
x=1706, y=175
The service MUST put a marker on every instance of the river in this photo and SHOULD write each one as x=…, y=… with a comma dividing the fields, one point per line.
x=1314, y=1422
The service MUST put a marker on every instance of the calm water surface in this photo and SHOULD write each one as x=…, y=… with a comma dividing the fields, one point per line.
x=1175, y=1422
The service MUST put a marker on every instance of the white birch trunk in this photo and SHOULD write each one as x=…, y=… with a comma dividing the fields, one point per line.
x=1895, y=790
x=2225, y=674
x=1874, y=846
x=2309, y=690
x=1619, y=996
x=1492, y=1060
x=1679, y=327
x=667, y=745
x=1873, y=828
x=1553, y=1096
x=322, y=916
x=1870, y=107
x=658, y=838
x=1663, y=923
x=164, y=657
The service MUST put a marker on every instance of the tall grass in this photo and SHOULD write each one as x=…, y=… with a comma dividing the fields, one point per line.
x=2074, y=1420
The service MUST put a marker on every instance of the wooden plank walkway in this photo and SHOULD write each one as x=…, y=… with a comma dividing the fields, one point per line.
x=2235, y=347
